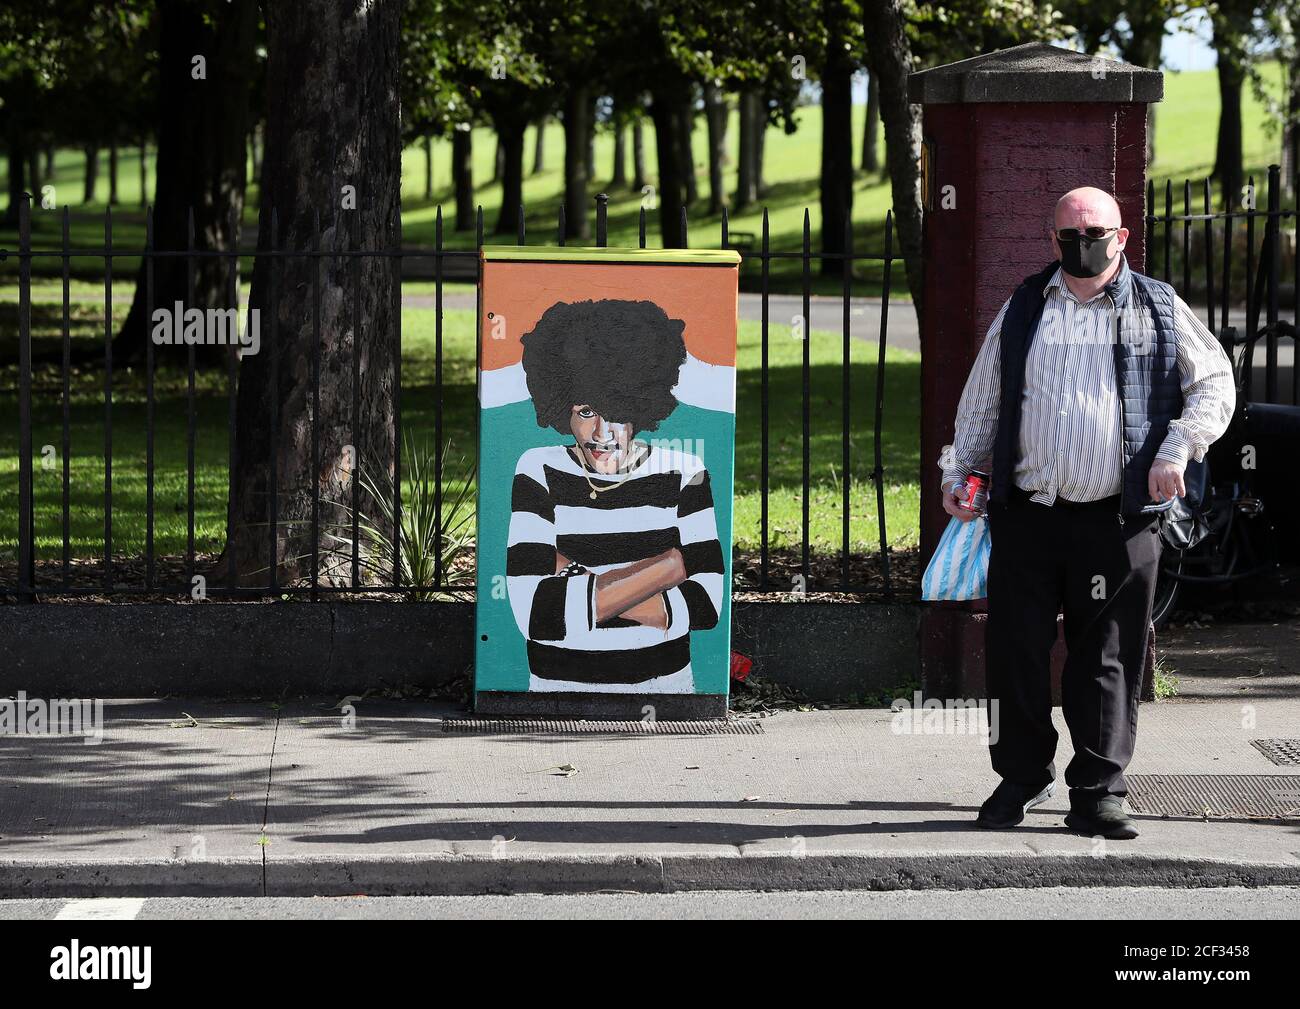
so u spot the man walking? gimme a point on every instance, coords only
(1093, 389)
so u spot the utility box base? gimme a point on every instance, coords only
(601, 707)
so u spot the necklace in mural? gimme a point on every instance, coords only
(640, 451)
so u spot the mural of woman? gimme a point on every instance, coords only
(613, 555)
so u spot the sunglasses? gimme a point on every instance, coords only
(1094, 233)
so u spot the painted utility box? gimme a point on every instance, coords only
(606, 390)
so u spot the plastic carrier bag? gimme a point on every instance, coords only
(959, 569)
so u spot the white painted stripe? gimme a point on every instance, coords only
(638, 518)
(698, 527)
(576, 612)
(711, 582)
(529, 527)
(502, 386)
(660, 460)
(709, 386)
(533, 463)
(680, 682)
(101, 909)
(521, 589)
(606, 639)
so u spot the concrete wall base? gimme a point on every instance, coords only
(829, 651)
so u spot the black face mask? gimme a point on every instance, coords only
(1086, 257)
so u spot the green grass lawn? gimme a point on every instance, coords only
(899, 441)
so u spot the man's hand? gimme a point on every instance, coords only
(952, 504)
(1165, 481)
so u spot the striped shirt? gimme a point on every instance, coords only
(1071, 443)
(663, 503)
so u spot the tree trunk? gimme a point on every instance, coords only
(837, 153)
(889, 61)
(760, 143)
(333, 121)
(462, 175)
(144, 172)
(665, 108)
(591, 144)
(618, 176)
(638, 153)
(577, 129)
(870, 148)
(747, 154)
(20, 125)
(112, 172)
(17, 156)
(200, 165)
(91, 175)
(1228, 154)
(686, 153)
(715, 114)
(1142, 47)
(1290, 160)
(510, 148)
(428, 167)
(539, 147)
(34, 173)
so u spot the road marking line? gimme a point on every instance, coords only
(101, 909)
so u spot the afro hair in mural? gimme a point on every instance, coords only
(621, 358)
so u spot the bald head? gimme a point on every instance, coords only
(1094, 238)
(1085, 207)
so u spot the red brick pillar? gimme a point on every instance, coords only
(1005, 135)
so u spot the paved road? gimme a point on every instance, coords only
(1135, 903)
(827, 314)
(864, 322)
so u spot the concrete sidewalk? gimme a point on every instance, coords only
(293, 802)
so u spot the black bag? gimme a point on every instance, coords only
(1183, 524)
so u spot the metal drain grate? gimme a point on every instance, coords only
(741, 727)
(1271, 796)
(1283, 752)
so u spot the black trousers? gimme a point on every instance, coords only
(1079, 559)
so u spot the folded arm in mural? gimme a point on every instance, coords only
(613, 555)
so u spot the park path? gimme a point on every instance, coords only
(827, 316)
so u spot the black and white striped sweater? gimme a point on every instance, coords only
(664, 502)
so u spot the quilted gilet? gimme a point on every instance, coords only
(1146, 377)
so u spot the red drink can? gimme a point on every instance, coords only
(977, 491)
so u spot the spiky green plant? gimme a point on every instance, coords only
(421, 541)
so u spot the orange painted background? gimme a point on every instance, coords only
(697, 295)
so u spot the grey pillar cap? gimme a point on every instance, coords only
(1035, 72)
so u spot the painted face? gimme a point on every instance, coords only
(603, 445)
